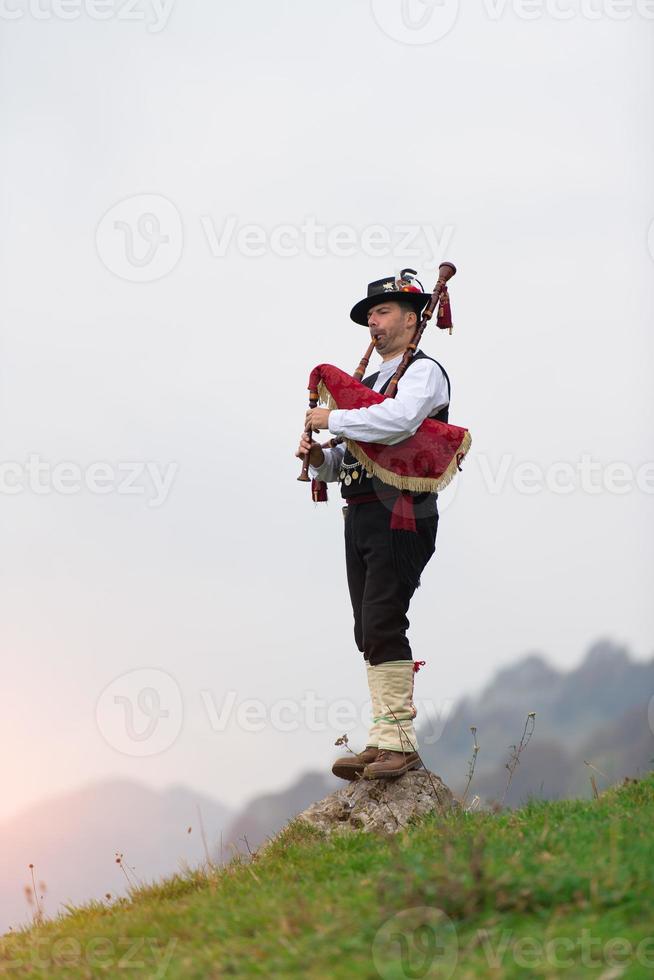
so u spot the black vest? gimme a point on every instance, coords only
(365, 484)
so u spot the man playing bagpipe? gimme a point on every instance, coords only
(393, 451)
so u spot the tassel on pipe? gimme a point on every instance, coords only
(318, 491)
(313, 403)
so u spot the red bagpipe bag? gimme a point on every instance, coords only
(425, 462)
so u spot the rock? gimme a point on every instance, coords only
(380, 805)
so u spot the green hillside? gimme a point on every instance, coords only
(553, 888)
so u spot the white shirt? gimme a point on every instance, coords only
(422, 391)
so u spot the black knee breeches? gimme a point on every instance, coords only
(380, 597)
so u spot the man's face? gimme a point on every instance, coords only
(391, 326)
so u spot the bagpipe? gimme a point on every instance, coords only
(425, 462)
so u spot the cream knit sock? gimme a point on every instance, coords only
(375, 728)
(393, 685)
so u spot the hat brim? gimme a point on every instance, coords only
(359, 312)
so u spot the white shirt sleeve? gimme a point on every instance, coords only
(421, 392)
(331, 466)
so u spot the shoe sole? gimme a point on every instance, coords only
(395, 773)
(348, 772)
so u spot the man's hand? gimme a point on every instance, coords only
(317, 456)
(318, 418)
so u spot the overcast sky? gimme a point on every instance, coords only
(173, 182)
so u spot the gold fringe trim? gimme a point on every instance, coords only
(416, 484)
(324, 397)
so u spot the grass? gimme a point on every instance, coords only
(563, 888)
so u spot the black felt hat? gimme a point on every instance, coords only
(390, 288)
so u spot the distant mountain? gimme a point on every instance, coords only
(72, 841)
(596, 712)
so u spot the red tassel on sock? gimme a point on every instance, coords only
(318, 491)
(403, 518)
(417, 664)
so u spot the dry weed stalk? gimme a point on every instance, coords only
(595, 769)
(204, 838)
(517, 750)
(593, 781)
(343, 740)
(32, 896)
(382, 799)
(123, 867)
(415, 749)
(471, 764)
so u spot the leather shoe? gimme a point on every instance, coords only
(389, 765)
(351, 766)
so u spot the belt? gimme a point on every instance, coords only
(369, 498)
